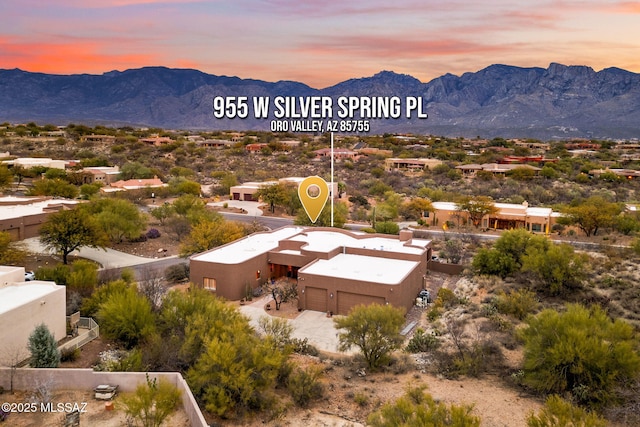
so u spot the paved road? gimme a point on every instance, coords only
(115, 261)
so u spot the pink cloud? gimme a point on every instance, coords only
(78, 57)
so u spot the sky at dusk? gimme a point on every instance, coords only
(319, 43)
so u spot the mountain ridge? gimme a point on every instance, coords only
(560, 101)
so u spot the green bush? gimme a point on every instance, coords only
(517, 303)
(580, 351)
(177, 273)
(422, 342)
(304, 385)
(69, 355)
(560, 413)
(362, 399)
(417, 408)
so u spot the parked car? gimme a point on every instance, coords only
(29, 275)
(435, 258)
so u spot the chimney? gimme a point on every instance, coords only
(406, 235)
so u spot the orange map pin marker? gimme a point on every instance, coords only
(313, 192)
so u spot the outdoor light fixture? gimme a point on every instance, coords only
(303, 290)
(331, 295)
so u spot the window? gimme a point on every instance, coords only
(536, 227)
(210, 283)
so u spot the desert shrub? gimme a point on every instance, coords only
(152, 402)
(401, 364)
(417, 408)
(557, 412)
(304, 385)
(580, 351)
(517, 303)
(69, 355)
(139, 239)
(302, 346)
(277, 328)
(421, 342)
(153, 233)
(177, 273)
(446, 298)
(362, 399)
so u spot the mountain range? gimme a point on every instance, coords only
(559, 102)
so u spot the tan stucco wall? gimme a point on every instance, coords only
(87, 379)
(19, 323)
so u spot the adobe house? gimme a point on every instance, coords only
(508, 216)
(335, 269)
(22, 217)
(25, 305)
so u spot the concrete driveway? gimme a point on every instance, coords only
(315, 326)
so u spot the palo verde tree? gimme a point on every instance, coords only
(210, 233)
(374, 329)
(118, 218)
(152, 402)
(68, 230)
(580, 351)
(340, 213)
(590, 215)
(272, 194)
(43, 348)
(505, 258)
(126, 316)
(555, 268)
(234, 368)
(477, 208)
(11, 253)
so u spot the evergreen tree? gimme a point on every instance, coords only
(44, 348)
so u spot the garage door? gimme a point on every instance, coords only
(315, 299)
(347, 300)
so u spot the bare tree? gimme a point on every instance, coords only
(13, 356)
(456, 330)
(153, 286)
(43, 390)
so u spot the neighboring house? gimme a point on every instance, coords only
(622, 173)
(156, 140)
(246, 191)
(134, 184)
(101, 174)
(509, 216)
(335, 269)
(338, 153)
(216, 143)
(22, 217)
(255, 148)
(102, 139)
(25, 305)
(30, 162)
(497, 169)
(411, 165)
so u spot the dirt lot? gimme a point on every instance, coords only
(92, 412)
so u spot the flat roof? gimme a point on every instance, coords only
(326, 241)
(364, 268)
(248, 247)
(14, 296)
(19, 211)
